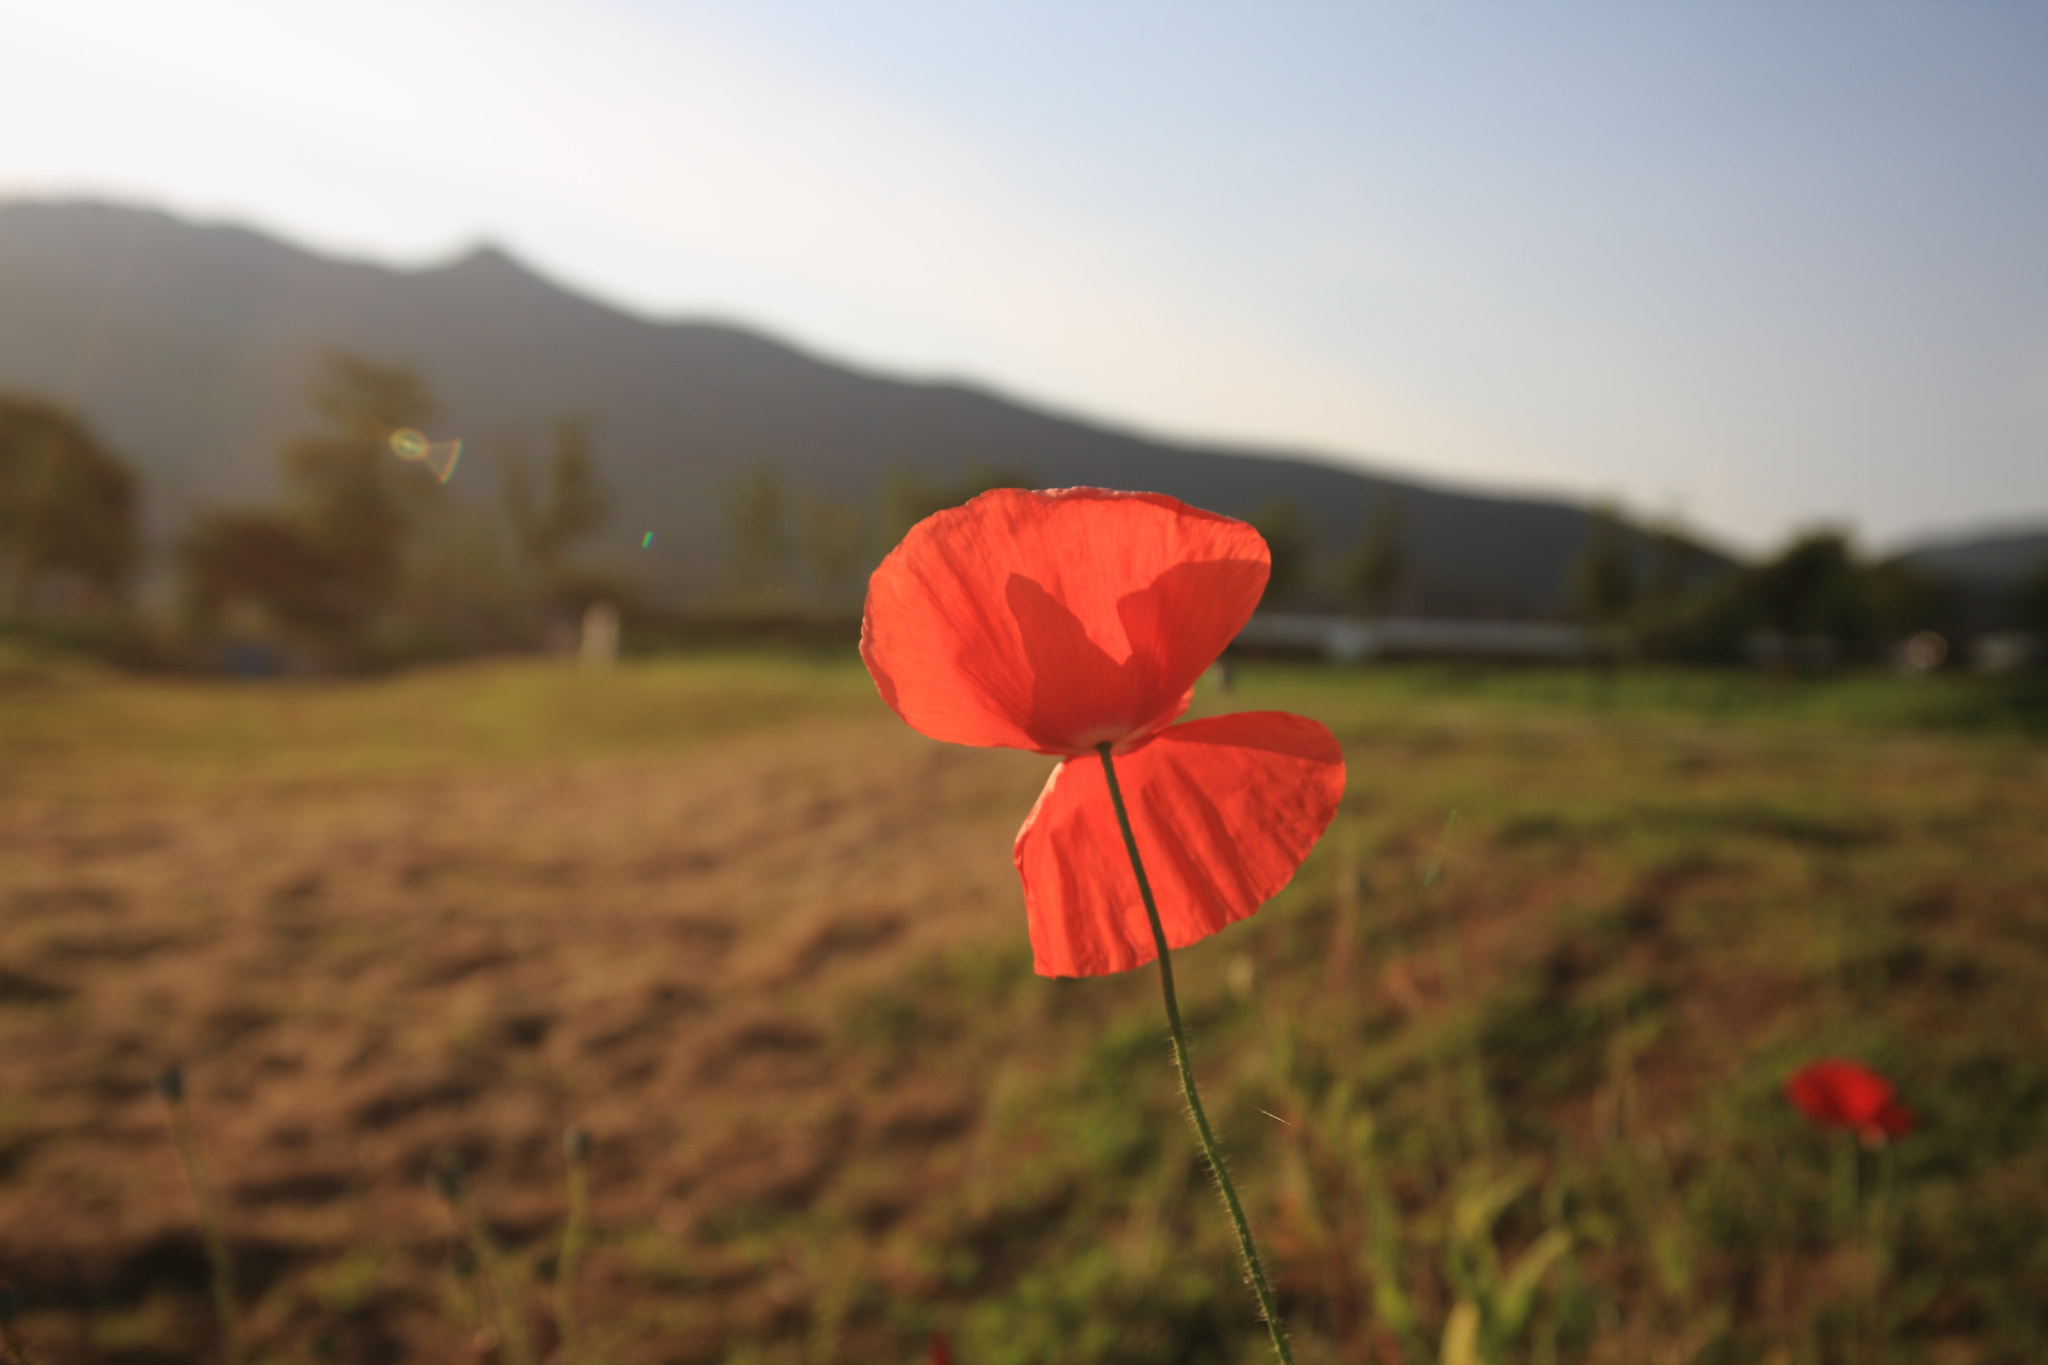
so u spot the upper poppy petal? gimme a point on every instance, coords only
(1052, 621)
(1223, 810)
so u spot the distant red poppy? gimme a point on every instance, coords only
(940, 1355)
(1841, 1094)
(1059, 621)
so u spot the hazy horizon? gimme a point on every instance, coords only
(1757, 268)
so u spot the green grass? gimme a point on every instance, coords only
(1500, 1074)
(481, 715)
(1658, 897)
(1949, 701)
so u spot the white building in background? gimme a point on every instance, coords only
(598, 646)
(2004, 651)
(1348, 639)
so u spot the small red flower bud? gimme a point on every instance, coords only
(1835, 1093)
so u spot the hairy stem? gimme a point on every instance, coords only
(500, 1290)
(576, 1145)
(1187, 1071)
(170, 1087)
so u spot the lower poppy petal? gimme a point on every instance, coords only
(1224, 810)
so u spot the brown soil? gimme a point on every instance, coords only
(364, 978)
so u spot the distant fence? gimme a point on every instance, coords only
(1350, 640)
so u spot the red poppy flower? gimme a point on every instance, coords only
(940, 1354)
(1060, 621)
(1840, 1094)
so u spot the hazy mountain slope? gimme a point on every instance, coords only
(189, 347)
(1990, 560)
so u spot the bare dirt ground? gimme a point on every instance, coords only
(766, 946)
(364, 976)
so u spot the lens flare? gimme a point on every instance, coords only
(647, 541)
(440, 457)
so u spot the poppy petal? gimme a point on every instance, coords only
(1052, 621)
(1895, 1120)
(1224, 810)
(1838, 1093)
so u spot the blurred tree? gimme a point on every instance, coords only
(2030, 601)
(68, 507)
(1290, 540)
(1688, 606)
(464, 590)
(328, 565)
(1901, 598)
(1376, 564)
(572, 503)
(908, 496)
(1677, 563)
(1604, 571)
(353, 500)
(756, 518)
(834, 537)
(1813, 587)
(265, 561)
(1706, 625)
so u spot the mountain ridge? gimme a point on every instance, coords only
(189, 346)
(1996, 559)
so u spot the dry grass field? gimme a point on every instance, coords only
(1501, 1070)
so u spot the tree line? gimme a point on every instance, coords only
(1816, 600)
(1654, 592)
(804, 551)
(365, 557)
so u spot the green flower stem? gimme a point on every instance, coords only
(170, 1088)
(1187, 1071)
(576, 1145)
(500, 1288)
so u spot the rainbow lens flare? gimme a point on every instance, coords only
(439, 457)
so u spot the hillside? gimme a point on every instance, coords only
(1992, 561)
(189, 347)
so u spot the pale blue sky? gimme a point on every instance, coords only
(1754, 264)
